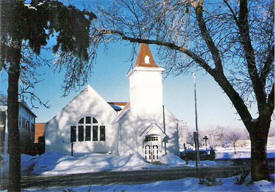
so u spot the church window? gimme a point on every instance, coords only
(81, 120)
(88, 133)
(73, 134)
(147, 59)
(94, 120)
(95, 132)
(88, 120)
(80, 133)
(102, 133)
(151, 138)
(88, 129)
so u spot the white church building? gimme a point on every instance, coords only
(89, 124)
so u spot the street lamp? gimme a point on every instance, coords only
(196, 122)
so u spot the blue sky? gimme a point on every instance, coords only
(109, 79)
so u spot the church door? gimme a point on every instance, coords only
(147, 152)
(155, 152)
(151, 149)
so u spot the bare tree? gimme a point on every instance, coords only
(231, 40)
(216, 136)
(233, 136)
(190, 138)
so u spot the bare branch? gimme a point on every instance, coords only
(188, 52)
(231, 10)
(243, 26)
(207, 38)
(268, 65)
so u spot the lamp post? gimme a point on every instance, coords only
(205, 141)
(196, 123)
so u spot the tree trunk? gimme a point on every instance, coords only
(13, 111)
(259, 162)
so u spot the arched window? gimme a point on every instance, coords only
(82, 131)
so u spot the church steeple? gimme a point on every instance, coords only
(146, 85)
(145, 57)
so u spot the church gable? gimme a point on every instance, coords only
(153, 129)
(87, 102)
(83, 121)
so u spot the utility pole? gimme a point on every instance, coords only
(196, 123)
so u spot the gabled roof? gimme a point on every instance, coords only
(145, 57)
(118, 106)
(87, 102)
(118, 103)
(152, 129)
(4, 104)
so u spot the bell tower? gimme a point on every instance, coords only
(146, 89)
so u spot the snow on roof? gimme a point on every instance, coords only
(122, 112)
(117, 106)
(118, 103)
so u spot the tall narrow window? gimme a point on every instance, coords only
(95, 131)
(23, 123)
(19, 123)
(88, 120)
(88, 133)
(80, 133)
(32, 128)
(102, 133)
(73, 134)
(27, 125)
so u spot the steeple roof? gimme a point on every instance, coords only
(145, 57)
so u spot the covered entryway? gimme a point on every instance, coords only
(151, 148)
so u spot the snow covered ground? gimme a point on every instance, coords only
(59, 164)
(187, 184)
(244, 151)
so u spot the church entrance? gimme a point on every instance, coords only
(151, 148)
